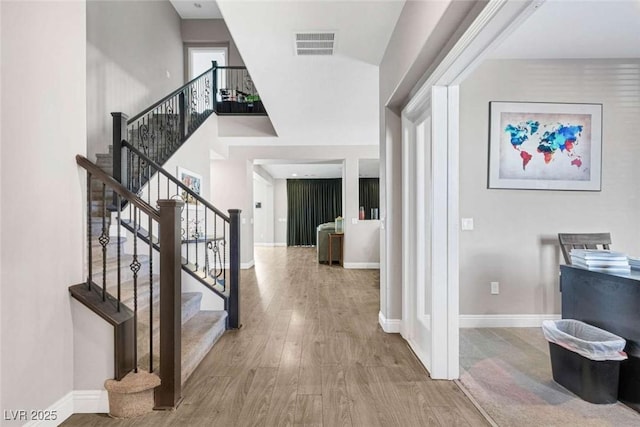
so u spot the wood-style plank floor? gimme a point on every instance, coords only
(310, 353)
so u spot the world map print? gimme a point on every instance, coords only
(547, 146)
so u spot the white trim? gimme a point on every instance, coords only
(390, 326)
(280, 244)
(505, 320)
(496, 20)
(453, 236)
(62, 409)
(265, 245)
(90, 402)
(362, 265)
(247, 265)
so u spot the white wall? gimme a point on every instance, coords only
(43, 128)
(515, 236)
(237, 171)
(263, 217)
(134, 58)
(280, 211)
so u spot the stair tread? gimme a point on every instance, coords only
(199, 335)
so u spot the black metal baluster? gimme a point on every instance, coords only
(89, 233)
(119, 208)
(224, 254)
(150, 225)
(104, 241)
(135, 267)
(206, 239)
(196, 235)
(187, 223)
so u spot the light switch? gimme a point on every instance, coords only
(244, 220)
(467, 224)
(354, 221)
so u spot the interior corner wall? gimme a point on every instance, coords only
(134, 58)
(263, 193)
(43, 46)
(515, 237)
(422, 30)
(280, 211)
(214, 31)
(232, 188)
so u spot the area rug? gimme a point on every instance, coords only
(508, 372)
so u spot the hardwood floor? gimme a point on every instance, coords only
(310, 353)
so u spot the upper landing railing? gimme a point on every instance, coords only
(158, 131)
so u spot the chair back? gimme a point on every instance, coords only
(570, 241)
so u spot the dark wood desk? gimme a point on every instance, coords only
(340, 238)
(610, 302)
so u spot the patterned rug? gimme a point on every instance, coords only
(508, 372)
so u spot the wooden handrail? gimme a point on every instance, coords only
(171, 95)
(106, 179)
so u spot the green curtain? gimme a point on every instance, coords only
(370, 195)
(311, 202)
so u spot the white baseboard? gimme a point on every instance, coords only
(362, 265)
(60, 410)
(247, 265)
(390, 326)
(505, 320)
(280, 244)
(90, 402)
(264, 245)
(74, 402)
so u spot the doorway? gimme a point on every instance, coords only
(199, 59)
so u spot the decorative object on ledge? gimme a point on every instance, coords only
(339, 225)
(545, 146)
(192, 180)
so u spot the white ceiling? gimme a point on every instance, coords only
(302, 169)
(310, 169)
(315, 100)
(189, 9)
(577, 29)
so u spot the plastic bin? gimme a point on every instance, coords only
(585, 359)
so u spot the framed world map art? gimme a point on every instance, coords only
(545, 146)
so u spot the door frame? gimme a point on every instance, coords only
(437, 95)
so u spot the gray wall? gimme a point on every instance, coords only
(515, 236)
(263, 216)
(43, 127)
(134, 58)
(423, 33)
(211, 32)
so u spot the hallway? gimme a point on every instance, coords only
(310, 353)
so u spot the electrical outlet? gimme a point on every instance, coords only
(495, 288)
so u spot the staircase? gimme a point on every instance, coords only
(141, 237)
(200, 328)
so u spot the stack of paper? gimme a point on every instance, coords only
(634, 263)
(601, 260)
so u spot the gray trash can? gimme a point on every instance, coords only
(585, 359)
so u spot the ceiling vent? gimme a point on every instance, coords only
(316, 43)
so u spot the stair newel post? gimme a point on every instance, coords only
(119, 134)
(214, 79)
(169, 393)
(234, 267)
